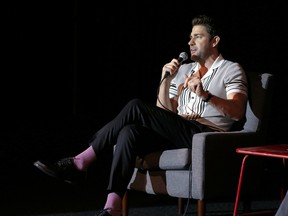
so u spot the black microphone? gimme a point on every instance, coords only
(182, 57)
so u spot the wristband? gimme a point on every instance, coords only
(208, 98)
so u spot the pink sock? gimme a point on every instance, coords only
(85, 158)
(114, 202)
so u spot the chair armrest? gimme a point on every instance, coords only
(215, 163)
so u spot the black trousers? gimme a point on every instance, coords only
(140, 128)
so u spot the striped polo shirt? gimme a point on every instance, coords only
(223, 78)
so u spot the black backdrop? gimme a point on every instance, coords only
(69, 58)
(72, 59)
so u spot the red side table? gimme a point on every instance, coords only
(276, 151)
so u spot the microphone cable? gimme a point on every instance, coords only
(158, 99)
(182, 57)
(189, 190)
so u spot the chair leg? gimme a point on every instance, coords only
(125, 204)
(180, 205)
(201, 206)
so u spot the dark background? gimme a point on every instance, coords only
(68, 67)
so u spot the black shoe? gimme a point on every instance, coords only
(63, 169)
(103, 212)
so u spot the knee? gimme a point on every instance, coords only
(129, 135)
(128, 131)
(136, 102)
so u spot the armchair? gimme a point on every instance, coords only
(209, 170)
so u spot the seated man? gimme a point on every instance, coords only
(208, 94)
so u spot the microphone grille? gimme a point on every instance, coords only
(183, 56)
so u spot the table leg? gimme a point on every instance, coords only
(239, 185)
(284, 185)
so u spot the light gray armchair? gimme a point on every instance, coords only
(209, 170)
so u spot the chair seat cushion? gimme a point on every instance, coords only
(165, 160)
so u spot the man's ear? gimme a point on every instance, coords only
(215, 41)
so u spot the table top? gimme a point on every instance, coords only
(276, 150)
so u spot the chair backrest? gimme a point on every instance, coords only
(260, 87)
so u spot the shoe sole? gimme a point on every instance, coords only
(48, 171)
(44, 169)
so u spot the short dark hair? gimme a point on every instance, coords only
(210, 23)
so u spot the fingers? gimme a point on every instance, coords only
(171, 66)
(192, 82)
(186, 81)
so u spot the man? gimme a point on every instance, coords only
(209, 94)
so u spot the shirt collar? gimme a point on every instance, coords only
(218, 61)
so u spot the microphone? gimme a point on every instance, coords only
(182, 57)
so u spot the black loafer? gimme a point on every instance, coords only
(103, 212)
(63, 169)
